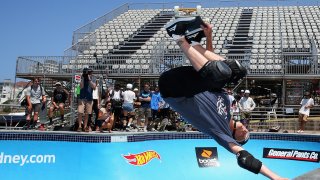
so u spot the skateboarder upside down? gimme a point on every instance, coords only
(196, 92)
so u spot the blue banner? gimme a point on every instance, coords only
(158, 159)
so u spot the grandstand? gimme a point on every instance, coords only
(277, 44)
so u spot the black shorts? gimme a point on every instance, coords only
(185, 81)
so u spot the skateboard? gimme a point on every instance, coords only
(191, 12)
(187, 12)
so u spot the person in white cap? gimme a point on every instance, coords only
(128, 111)
(241, 93)
(58, 100)
(246, 107)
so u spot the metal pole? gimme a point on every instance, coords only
(73, 85)
(15, 81)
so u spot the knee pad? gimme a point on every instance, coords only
(238, 71)
(218, 73)
(248, 162)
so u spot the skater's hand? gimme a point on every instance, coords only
(207, 29)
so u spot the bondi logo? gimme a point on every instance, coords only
(207, 157)
(141, 158)
(206, 153)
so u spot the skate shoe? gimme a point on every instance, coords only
(194, 33)
(179, 26)
(195, 37)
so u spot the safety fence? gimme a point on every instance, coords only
(154, 64)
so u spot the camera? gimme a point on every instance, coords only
(85, 73)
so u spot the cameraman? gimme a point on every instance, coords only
(87, 86)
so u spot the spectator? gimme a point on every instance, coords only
(105, 121)
(145, 108)
(77, 92)
(128, 110)
(306, 104)
(241, 93)
(87, 86)
(231, 100)
(137, 102)
(235, 108)
(246, 107)
(36, 99)
(164, 109)
(96, 104)
(136, 106)
(116, 101)
(164, 114)
(155, 102)
(231, 97)
(60, 95)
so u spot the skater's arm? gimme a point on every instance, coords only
(248, 162)
(194, 54)
(208, 52)
(208, 33)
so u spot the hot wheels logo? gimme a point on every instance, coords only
(141, 158)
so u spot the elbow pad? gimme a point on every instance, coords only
(217, 73)
(248, 162)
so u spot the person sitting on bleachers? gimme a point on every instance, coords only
(60, 95)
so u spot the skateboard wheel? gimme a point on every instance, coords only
(198, 9)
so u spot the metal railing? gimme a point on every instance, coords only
(260, 121)
(285, 117)
(153, 65)
(39, 65)
(81, 32)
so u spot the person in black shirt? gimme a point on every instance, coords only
(58, 100)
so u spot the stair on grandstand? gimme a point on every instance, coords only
(241, 43)
(143, 34)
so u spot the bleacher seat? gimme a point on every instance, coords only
(272, 29)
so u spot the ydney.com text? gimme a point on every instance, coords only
(22, 160)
